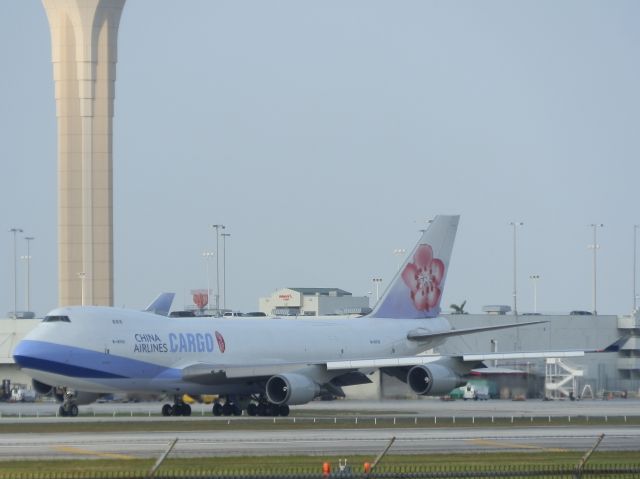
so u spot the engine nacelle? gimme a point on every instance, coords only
(82, 397)
(291, 389)
(41, 388)
(47, 390)
(432, 380)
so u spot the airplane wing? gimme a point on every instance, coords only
(205, 373)
(210, 374)
(426, 359)
(336, 374)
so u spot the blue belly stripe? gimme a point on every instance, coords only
(56, 367)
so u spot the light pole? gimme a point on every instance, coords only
(399, 254)
(207, 256)
(515, 225)
(595, 247)
(15, 231)
(376, 282)
(27, 258)
(534, 279)
(82, 275)
(635, 251)
(218, 228)
(224, 269)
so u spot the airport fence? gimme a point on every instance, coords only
(413, 472)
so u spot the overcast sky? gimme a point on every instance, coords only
(325, 134)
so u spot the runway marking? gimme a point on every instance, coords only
(489, 442)
(87, 452)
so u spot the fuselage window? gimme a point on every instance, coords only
(53, 319)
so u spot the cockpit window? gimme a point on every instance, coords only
(53, 319)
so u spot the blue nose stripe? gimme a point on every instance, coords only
(81, 363)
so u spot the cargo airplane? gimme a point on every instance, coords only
(259, 365)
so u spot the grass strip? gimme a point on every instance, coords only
(309, 464)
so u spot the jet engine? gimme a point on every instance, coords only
(46, 390)
(82, 397)
(291, 389)
(432, 380)
(79, 397)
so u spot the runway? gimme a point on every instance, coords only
(323, 440)
(314, 442)
(420, 408)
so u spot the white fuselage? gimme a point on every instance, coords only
(107, 349)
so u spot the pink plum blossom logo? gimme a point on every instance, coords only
(423, 277)
(221, 343)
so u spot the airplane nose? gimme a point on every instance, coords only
(30, 354)
(23, 352)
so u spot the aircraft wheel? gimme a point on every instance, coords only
(186, 410)
(262, 409)
(167, 410)
(62, 411)
(73, 410)
(177, 409)
(237, 410)
(227, 409)
(217, 409)
(284, 410)
(252, 409)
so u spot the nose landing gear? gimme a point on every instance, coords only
(69, 408)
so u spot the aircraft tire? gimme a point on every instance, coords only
(283, 410)
(262, 409)
(217, 409)
(73, 410)
(167, 409)
(252, 409)
(227, 409)
(186, 410)
(62, 411)
(177, 409)
(237, 410)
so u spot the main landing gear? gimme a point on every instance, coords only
(179, 408)
(256, 406)
(69, 407)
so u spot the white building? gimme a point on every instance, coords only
(313, 302)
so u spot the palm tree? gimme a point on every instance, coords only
(459, 309)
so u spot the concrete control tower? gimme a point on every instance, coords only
(83, 43)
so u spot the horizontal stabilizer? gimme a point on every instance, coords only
(421, 334)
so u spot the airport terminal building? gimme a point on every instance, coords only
(313, 302)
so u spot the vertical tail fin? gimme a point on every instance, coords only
(161, 305)
(416, 289)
